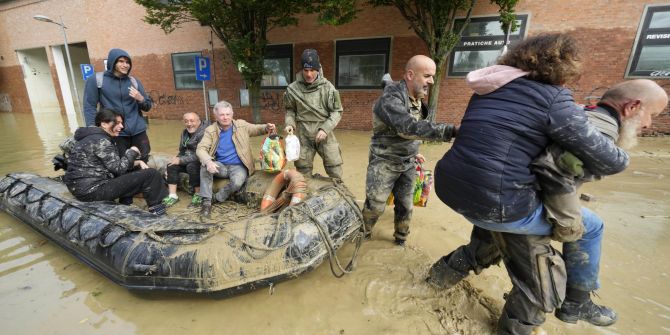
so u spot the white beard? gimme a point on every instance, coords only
(628, 132)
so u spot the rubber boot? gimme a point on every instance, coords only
(519, 316)
(509, 326)
(442, 276)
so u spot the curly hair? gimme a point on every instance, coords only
(550, 58)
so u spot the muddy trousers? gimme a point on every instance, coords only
(149, 182)
(383, 178)
(329, 150)
(192, 169)
(539, 274)
(236, 174)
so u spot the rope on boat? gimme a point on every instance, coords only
(329, 243)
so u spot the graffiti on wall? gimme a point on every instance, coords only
(272, 101)
(161, 98)
(5, 103)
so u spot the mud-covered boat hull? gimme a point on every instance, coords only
(174, 253)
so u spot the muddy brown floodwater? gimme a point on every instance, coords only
(45, 290)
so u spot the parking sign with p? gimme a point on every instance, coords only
(86, 70)
(202, 68)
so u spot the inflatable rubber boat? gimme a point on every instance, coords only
(239, 249)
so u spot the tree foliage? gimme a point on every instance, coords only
(434, 21)
(242, 25)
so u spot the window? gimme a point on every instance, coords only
(651, 53)
(183, 66)
(361, 63)
(278, 65)
(481, 43)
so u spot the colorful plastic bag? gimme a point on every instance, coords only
(292, 148)
(421, 194)
(422, 186)
(272, 154)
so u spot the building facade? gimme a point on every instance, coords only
(621, 39)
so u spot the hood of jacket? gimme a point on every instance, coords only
(84, 132)
(113, 56)
(308, 88)
(489, 79)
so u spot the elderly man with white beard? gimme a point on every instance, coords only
(624, 110)
(523, 244)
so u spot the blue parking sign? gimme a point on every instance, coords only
(202, 68)
(86, 70)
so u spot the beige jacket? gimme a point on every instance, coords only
(242, 130)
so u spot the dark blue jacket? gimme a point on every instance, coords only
(486, 174)
(114, 95)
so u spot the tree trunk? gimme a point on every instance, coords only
(434, 97)
(255, 101)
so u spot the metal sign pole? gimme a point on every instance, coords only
(204, 97)
(69, 63)
(202, 73)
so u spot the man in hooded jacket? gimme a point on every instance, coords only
(313, 106)
(122, 93)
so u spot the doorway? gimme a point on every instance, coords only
(38, 79)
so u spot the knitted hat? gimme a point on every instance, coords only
(310, 59)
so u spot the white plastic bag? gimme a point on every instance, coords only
(292, 148)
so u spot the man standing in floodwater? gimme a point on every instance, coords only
(399, 123)
(313, 106)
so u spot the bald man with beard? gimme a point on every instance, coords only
(521, 106)
(622, 113)
(399, 123)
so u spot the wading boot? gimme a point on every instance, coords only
(442, 276)
(587, 311)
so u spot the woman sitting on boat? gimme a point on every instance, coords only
(96, 172)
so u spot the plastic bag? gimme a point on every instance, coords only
(272, 154)
(292, 148)
(422, 186)
(421, 194)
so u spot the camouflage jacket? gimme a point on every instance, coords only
(317, 102)
(188, 144)
(94, 160)
(396, 132)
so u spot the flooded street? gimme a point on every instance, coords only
(45, 290)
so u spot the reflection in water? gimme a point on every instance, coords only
(44, 290)
(50, 126)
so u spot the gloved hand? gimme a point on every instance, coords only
(570, 163)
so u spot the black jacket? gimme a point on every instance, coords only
(94, 160)
(188, 143)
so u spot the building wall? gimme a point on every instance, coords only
(605, 29)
